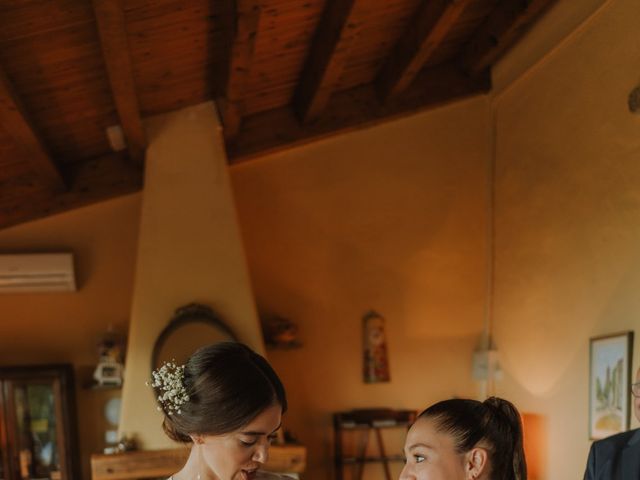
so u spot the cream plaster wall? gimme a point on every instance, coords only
(390, 218)
(560, 24)
(189, 250)
(568, 224)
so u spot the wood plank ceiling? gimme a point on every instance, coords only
(280, 71)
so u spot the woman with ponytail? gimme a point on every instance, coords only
(462, 439)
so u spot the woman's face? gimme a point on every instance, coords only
(431, 455)
(237, 455)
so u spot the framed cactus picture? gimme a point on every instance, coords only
(610, 358)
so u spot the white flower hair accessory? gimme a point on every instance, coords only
(168, 380)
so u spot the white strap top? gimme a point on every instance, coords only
(264, 475)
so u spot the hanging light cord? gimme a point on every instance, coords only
(490, 231)
(487, 387)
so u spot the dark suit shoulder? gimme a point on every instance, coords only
(615, 441)
(606, 456)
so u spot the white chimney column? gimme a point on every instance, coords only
(189, 250)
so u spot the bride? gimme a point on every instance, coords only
(227, 402)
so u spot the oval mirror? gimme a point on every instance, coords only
(192, 326)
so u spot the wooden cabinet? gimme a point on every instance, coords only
(37, 423)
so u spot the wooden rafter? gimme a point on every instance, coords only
(352, 109)
(14, 120)
(426, 33)
(90, 181)
(504, 26)
(241, 43)
(329, 51)
(115, 50)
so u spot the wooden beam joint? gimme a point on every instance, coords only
(352, 109)
(115, 50)
(428, 30)
(504, 26)
(241, 43)
(337, 30)
(14, 120)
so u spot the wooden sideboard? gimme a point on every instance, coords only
(163, 463)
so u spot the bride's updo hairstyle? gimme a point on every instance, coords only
(494, 423)
(226, 385)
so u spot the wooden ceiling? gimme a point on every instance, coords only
(281, 72)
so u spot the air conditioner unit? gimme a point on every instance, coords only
(52, 272)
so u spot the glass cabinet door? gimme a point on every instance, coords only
(37, 430)
(37, 423)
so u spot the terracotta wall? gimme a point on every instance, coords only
(389, 218)
(568, 224)
(65, 327)
(392, 218)
(332, 230)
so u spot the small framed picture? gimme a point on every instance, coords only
(376, 360)
(610, 359)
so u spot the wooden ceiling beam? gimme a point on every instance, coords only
(115, 51)
(329, 51)
(91, 181)
(14, 120)
(426, 33)
(241, 43)
(352, 109)
(504, 26)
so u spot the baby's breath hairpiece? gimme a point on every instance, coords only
(168, 380)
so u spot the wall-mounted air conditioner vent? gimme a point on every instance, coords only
(51, 272)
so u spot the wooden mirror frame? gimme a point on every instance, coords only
(189, 314)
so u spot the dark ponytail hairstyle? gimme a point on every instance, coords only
(228, 386)
(495, 422)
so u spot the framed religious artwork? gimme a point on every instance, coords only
(375, 358)
(610, 358)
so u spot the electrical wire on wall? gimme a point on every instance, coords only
(485, 356)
